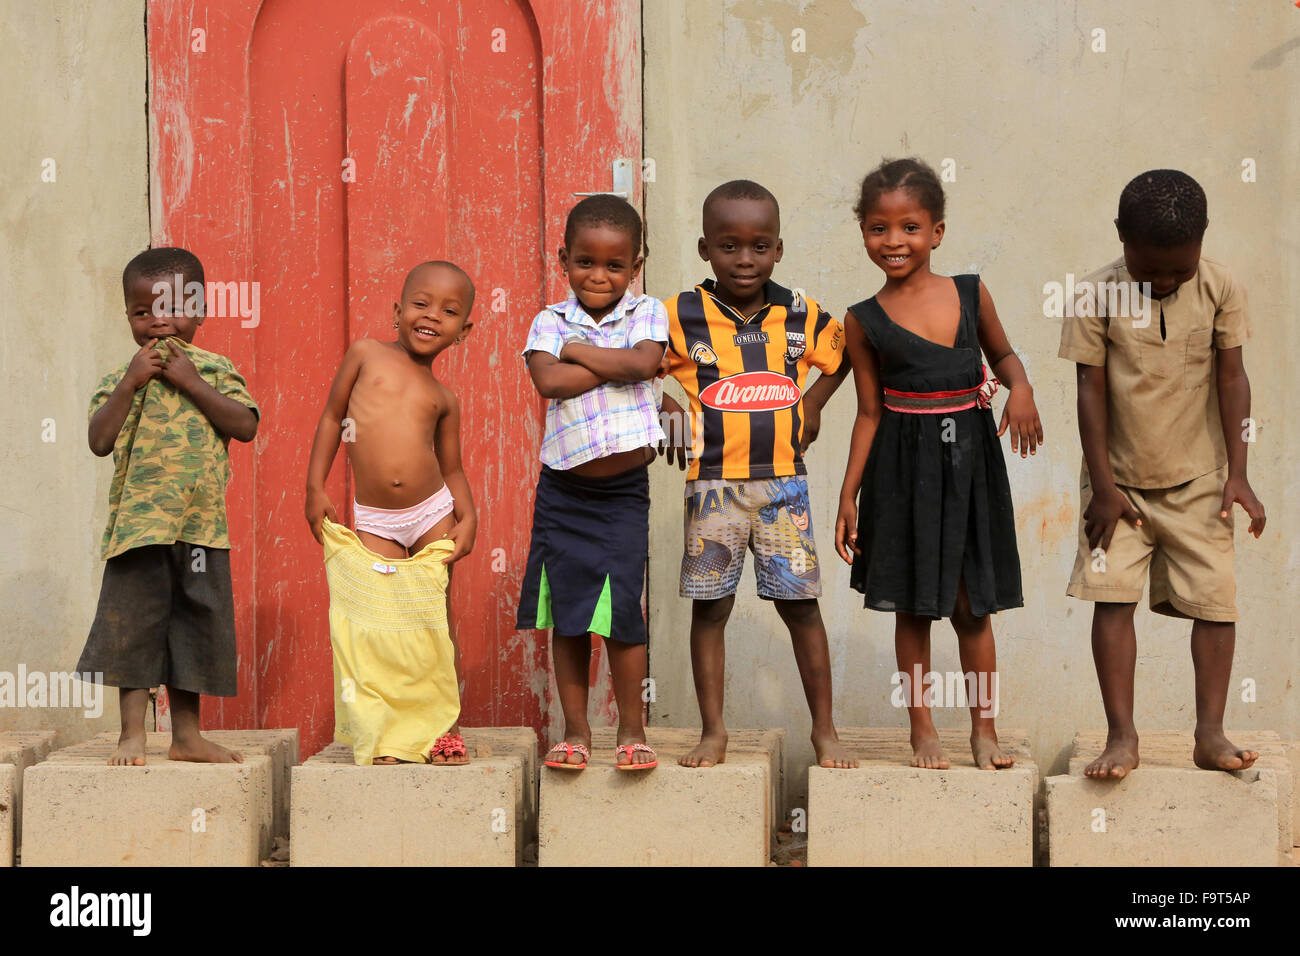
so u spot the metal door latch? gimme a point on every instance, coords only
(624, 180)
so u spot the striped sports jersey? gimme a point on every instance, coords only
(745, 378)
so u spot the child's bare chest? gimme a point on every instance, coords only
(387, 391)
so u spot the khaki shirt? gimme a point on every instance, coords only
(1163, 426)
(169, 464)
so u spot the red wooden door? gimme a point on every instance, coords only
(320, 148)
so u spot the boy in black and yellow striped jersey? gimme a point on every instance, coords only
(742, 346)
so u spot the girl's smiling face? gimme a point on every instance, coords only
(900, 234)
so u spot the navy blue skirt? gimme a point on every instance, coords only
(587, 559)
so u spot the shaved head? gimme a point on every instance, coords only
(451, 267)
(740, 189)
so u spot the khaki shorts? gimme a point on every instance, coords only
(1187, 546)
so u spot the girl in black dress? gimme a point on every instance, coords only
(932, 533)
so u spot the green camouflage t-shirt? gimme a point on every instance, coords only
(170, 464)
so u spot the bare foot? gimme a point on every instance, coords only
(202, 750)
(988, 754)
(927, 754)
(710, 751)
(1214, 751)
(129, 752)
(1119, 757)
(387, 761)
(831, 753)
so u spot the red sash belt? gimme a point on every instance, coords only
(936, 403)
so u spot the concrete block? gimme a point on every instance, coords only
(669, 816)
(22, 748)
(1168, 812)
(770, 742)
(1292, 750)
(889, 813)
(518, 742)
(484, 742)
(409, 814)
(81, 812)
(8, 810)
(1172, 749)
(281, 746)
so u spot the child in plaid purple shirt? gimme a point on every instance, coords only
(595, 357)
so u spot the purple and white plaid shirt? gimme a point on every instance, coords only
(609, 418)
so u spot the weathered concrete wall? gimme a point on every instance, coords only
(73, 91)
(1044, 133)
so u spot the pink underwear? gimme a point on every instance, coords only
(404, 525)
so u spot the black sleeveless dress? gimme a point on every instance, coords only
(935, 504)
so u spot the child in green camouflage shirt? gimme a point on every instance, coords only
(166, 608)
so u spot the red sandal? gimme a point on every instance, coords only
(449, 746)
(630, 749)
(568, 750)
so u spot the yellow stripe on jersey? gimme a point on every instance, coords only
(732, 370)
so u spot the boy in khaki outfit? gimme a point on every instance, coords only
(1163, 404)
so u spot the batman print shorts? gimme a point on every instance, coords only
(769, 516)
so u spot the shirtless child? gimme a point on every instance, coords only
(402, 427)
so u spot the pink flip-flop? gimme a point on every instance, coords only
(630, 749)
(568, 750)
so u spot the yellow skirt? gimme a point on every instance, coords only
(395, 687)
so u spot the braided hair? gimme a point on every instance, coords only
(910, 174)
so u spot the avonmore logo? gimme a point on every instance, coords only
(751, 392)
